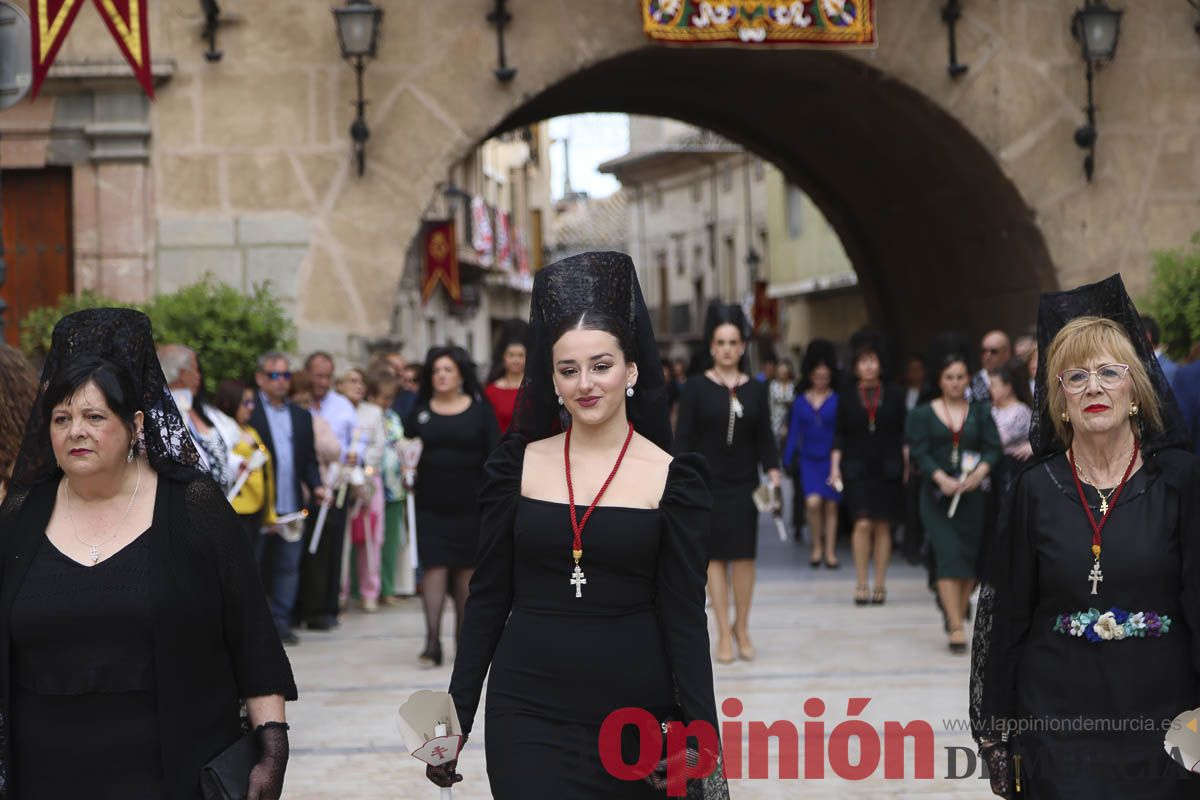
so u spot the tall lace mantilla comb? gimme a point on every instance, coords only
(605, 282)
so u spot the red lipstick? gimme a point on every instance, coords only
(80, 451)
(1096, 408)
(588, 402)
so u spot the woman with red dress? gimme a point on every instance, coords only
(508, 372)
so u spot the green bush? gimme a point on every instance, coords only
(227, 329)
(1175, 297)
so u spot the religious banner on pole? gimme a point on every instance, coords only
(440, 260)
(126, 21)
(803, 23)
(481, 227)
(50, 20)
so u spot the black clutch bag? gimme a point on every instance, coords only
(227, 777)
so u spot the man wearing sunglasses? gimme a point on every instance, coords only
(287, 431)
(994, 351)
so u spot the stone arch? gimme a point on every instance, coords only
(939, 235)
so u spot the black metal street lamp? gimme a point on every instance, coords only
(212, 20)
(500, 17)
(753, 259)
(951, 12)
(358, 33)
(1196, 5)
(1097, 28)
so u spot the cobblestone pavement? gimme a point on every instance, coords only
(812, 642)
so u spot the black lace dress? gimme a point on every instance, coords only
(560, 664)
(1092, 706)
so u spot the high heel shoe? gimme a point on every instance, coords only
(724, 659)
(861, 596)
(814, 562)
(957, 648)
(746, 651)
(432, 657)
(879, 596)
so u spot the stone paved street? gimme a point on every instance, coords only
(811, 640)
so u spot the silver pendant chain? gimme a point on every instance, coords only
(95, 548)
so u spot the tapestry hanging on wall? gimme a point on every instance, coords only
(805, 23)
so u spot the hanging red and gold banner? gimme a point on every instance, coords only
(440, 257)
(50, 20)
(126, 20)
(805, 23)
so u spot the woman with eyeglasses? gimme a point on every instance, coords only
(1090, 610)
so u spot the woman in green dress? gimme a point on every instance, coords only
(956, 445)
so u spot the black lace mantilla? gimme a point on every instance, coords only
(124, 337)
(601, 281)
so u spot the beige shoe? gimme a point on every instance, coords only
(370, 605)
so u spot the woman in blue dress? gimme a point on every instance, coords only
(809, 442)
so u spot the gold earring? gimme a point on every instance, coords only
(1065, 417)
(1133, 408)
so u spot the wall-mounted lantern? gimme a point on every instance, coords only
(1097, 28)
(500, 17)
(358, 33)
(951, 12)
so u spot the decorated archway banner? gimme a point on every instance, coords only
(811, 23)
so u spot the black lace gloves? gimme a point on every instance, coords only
(266, 779)
(1000, 767)
(445, 775)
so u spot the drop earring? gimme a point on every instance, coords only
(559, 396)
(1065, 417)
(629, 390)
(1133, 409)
(129, 457)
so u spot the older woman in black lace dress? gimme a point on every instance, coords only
(132, 620)
(1087, 641)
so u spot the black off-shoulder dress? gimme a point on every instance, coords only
(560, 664)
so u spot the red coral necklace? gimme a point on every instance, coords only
(577, 578)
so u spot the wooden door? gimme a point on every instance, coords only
(35, 205)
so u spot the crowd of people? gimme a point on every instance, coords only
(274, 504)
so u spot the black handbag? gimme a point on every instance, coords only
(227, 777)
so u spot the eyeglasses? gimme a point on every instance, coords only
(276, 375)
(1111, 376)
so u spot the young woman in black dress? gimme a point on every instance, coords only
(870, 462)
(725, 416)
(458, 432)
(588, 595)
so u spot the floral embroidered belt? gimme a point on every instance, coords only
(1112, 625)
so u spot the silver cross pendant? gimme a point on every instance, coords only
(578, 581)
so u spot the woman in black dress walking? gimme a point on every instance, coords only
(725, 416)
(869, 461)
(133, 625)
(1089, 611)
(588, 596)
(458, 432)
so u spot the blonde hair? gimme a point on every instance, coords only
(1080, 341)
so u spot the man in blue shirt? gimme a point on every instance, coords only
(1154, 334)
(287, 432)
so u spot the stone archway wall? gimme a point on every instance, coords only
(260, 141)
